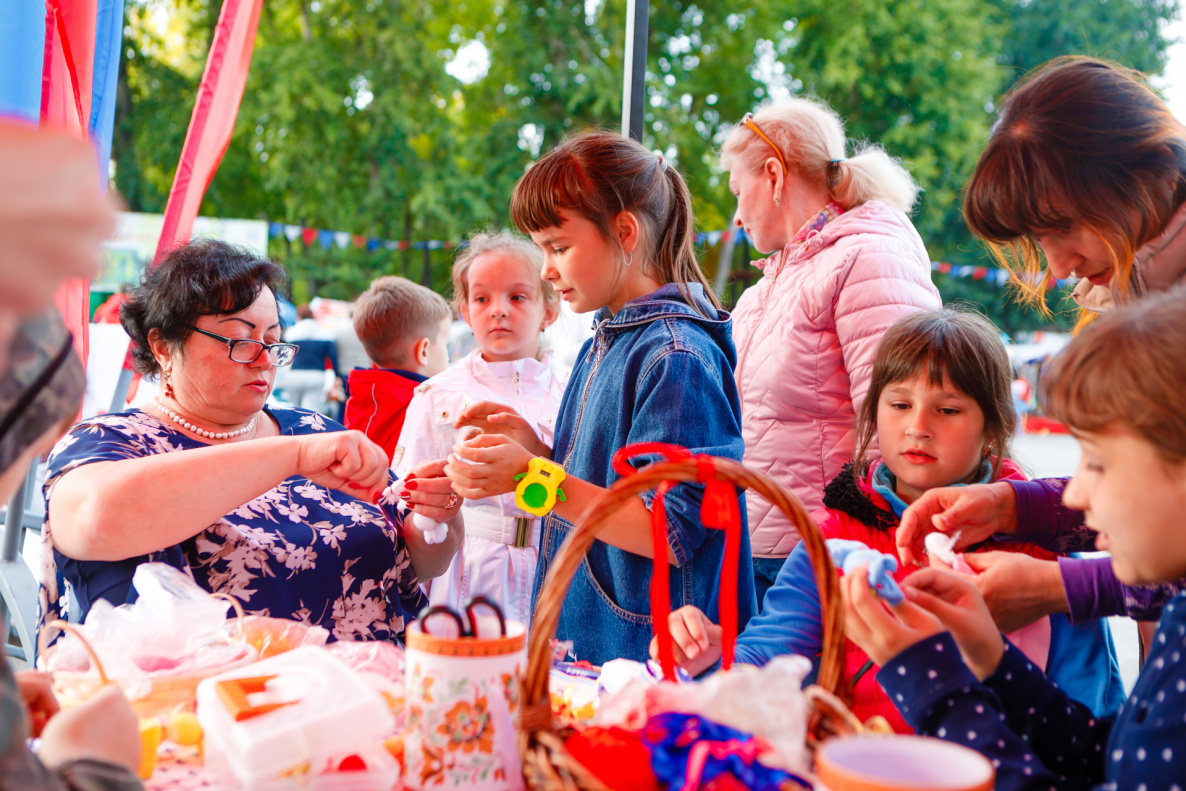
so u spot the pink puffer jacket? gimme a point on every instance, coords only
(806, 335)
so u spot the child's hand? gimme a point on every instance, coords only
(428, 491)
(103, 728)
(696, 640)
(38, 696)
(882, 633)
(495, 460)
(955, 600)
(494, 418)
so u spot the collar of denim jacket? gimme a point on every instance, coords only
(667, 301)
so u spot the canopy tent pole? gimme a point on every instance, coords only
(634, 71)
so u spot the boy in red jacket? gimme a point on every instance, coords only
(404, 328)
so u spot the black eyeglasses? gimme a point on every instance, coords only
(245, 350)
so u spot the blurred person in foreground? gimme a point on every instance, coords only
(52, 217)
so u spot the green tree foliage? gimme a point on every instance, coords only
(351, 122)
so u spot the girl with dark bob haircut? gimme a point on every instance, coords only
(271, 506)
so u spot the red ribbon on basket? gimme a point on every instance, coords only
(719, 510)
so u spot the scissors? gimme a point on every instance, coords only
(441, 620)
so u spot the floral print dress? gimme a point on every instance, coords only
(299, 551)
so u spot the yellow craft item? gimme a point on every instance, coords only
(183, 728)
(539, 487)
(150, 740)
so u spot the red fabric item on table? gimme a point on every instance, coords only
(616, 756)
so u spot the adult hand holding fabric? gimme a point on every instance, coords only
(978, 512)
(1018, 589)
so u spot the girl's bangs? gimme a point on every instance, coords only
(551, 184)
(1016, 195)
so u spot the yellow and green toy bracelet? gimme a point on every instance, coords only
(539, 487)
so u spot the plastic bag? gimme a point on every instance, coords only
(174, 629)
(767, 702)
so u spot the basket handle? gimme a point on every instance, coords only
(535, 712)
(74, 630)
(718, 510)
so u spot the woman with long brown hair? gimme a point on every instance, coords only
(1086, 170)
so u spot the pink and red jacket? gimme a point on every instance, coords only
(806, 335)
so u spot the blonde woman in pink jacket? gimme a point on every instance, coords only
(845, 263)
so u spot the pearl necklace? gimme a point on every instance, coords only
(179, 420)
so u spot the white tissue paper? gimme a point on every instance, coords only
(942, 546)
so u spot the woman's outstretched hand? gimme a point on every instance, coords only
(1017, 588)
(978, 512)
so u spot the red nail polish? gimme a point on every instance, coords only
(411, 485)
(405, 496)
(409, 476)
(354, 485)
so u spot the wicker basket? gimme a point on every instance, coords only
(547, 764)
(168, 693)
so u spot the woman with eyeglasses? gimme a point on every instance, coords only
(845, 263)
(271, 506)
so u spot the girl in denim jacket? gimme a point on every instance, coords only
(615, 225)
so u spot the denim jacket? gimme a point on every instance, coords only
(657, 371)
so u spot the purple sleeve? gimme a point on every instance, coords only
(1092, 589)
(1043, 520)
(1094, 592)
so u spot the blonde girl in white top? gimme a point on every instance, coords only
(498, 290)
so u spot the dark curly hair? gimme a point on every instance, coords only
(203, 278)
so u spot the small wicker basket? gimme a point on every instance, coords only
(168, 693)
(547, 764)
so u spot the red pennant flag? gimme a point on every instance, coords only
(358, 240)
(309, 236)
(66, 104)
(213, 120)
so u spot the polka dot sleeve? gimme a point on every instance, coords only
(1062, 732)
(938, 696)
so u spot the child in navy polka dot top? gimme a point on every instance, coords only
(1121, 388)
